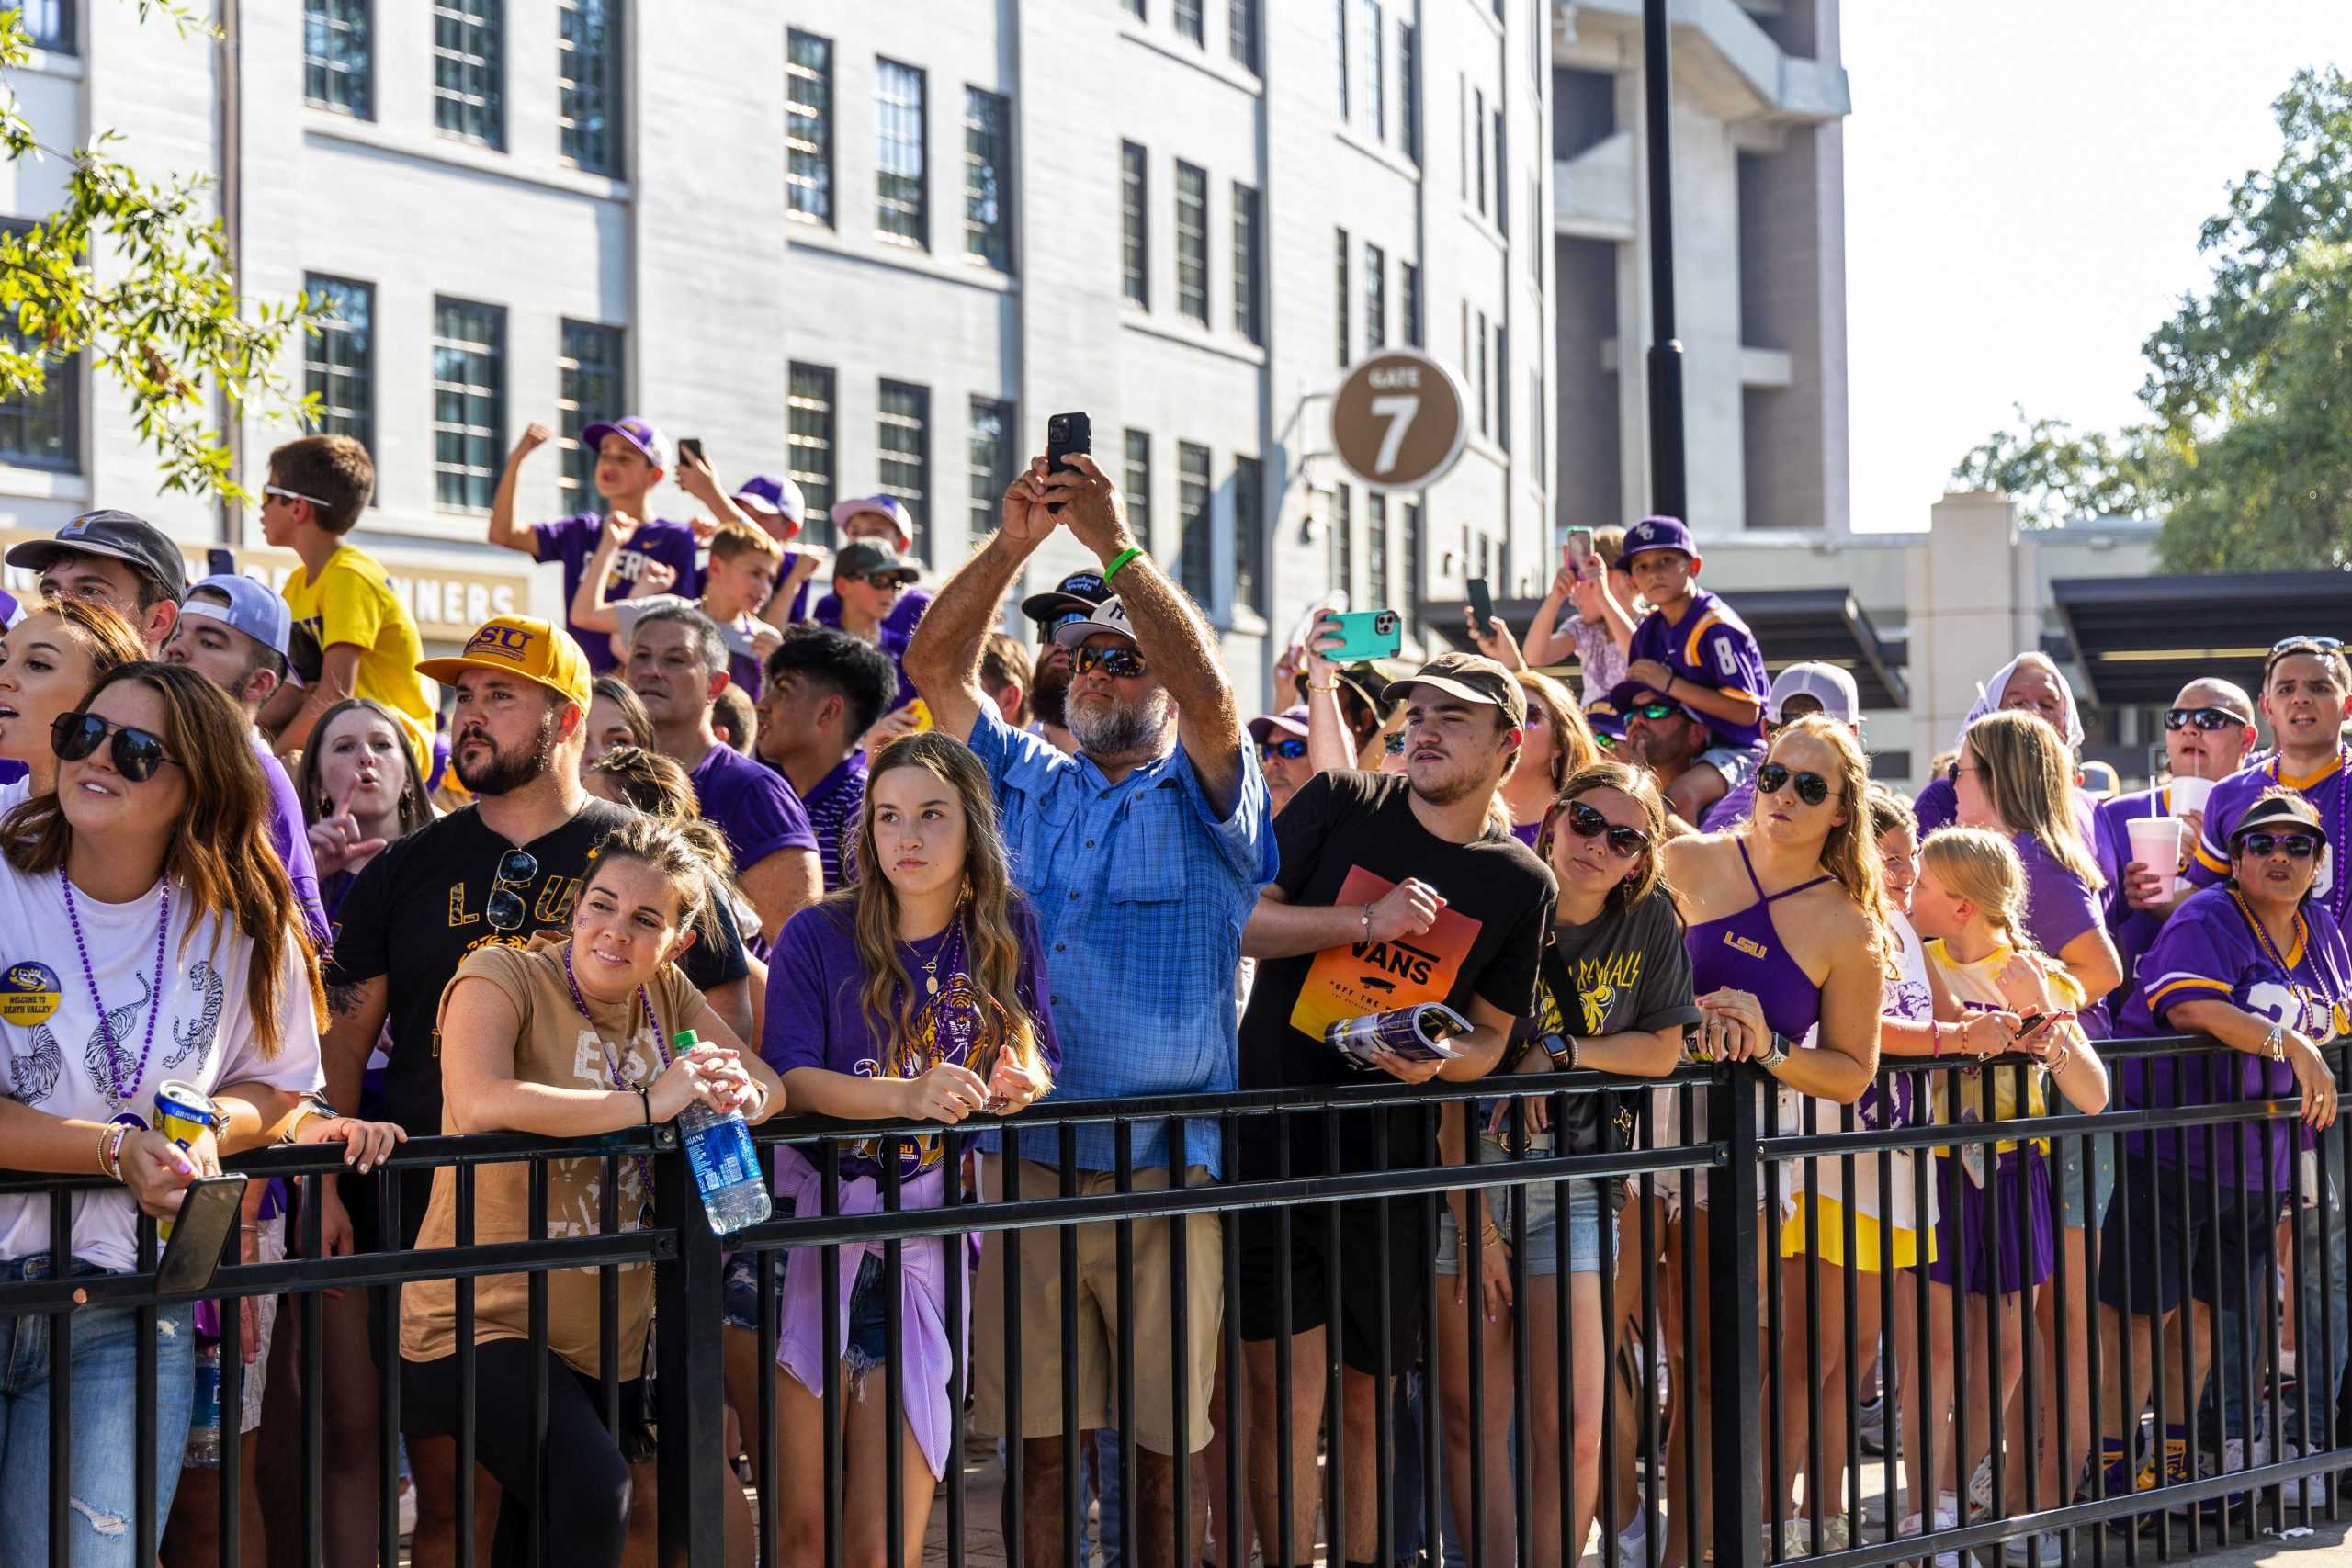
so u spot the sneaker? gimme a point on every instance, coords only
(1980, 1490)
(1870, 1426)
(407, 1507)
(1947, 1518)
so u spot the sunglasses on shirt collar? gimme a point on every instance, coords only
(1773, 777)
(507, 908)
(2204, 718)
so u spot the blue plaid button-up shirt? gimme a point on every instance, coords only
(1141, 890)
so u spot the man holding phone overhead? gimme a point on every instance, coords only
(1142, 854)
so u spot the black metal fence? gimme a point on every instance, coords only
(1738, 1334)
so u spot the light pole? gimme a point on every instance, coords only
(1667, 491)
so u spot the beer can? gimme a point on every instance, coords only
(183, 1113)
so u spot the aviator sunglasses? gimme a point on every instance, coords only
(1812, 788)
(1587, 822)
(1120, 663)
(137, 753)
(506, 907)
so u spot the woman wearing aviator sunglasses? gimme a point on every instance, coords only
(1613, 994)
(147, 932)
(1787, 932)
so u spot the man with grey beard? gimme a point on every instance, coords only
(1142, 855)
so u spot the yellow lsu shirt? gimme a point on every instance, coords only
(349, 601)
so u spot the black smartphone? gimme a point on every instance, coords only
(1066, 433)
(1482, 603)
(208, 1217)
(691, 446)
(218, 562)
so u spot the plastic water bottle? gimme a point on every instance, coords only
(204, 1418)
(726, 1166)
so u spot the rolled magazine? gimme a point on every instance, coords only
(1416, 1034)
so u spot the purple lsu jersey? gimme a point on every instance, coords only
(1710, 647)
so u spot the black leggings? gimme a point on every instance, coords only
(582, 1459)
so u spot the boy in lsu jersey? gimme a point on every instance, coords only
(1694, 650)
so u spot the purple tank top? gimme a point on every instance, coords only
(1743, 952)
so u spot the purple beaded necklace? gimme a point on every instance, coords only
(612, 1062)
(122, 1091)
(2339, 895)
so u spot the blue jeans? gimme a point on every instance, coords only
(105, 1365)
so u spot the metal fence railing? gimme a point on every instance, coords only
(1738, 1336)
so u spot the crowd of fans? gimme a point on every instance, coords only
(889, 863)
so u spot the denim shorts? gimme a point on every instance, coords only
(741, 1287)
(1586, 1216)
(2067, 1158)
(870, 1317)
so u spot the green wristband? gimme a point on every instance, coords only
(1122, 558)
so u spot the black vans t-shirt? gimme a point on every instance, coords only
(1349, 837)
(417, 911)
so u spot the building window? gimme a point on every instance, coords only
(1478, 146)
(47, 24)
(1376, 298)
(467, 70)
(468, 403)
(1409, 557)
(1135, 485)
(1250, 533)
(588, 84)
(902, 440)
(1502, 386)
(594, 384)
(1375, 552)
(1246, 259)
(1343, 540)
(1375, 72)
(1134, 225)
(1535, 426)
(993, 427)
(901, 213)
(987, 180)
(43, 429)
(1134, 8)
(810, 415)
(1340, 293)
(1409, 302)
(339, 364)
(1408, 89)
(1486, 423)
(335, 53)
(1339, 50)
(1189, 21)
(1193, 520)
(1245, 34)
(1502, 178)
(809, 127)
(1192, 243)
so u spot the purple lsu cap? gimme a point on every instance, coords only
(1290, 721)
(638, 432)
(881, 506)
(777, 496)
(253, 608)
(1658, 534)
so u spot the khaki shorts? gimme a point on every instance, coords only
(1152, 1424)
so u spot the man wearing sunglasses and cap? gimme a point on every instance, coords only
(1067, 602)
(1393, 892)
(1143, 855)
(1664, 735)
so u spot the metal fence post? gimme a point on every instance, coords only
(689, 1364)
(1733, 1295)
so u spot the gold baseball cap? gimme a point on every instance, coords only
(521, 645)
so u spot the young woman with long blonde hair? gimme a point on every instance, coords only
(916, 993)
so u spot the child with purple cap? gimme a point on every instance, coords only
(632, 458)
(1694, 650)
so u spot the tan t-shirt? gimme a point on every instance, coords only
(556, 1046)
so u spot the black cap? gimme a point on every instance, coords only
(871, 558)
(116, 536)
(1079, 591)
(1472, 678)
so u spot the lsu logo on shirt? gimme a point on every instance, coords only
(1747, 946)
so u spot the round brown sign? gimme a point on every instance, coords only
(1399, 420)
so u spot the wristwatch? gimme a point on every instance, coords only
(1779, 1053)
(309, 1105)
(1562, 1050)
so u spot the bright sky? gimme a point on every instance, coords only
(2024, 184)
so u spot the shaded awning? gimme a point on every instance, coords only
(1793, 626)
(2139, 639)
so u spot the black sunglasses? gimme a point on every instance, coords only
(2294, 846)
(2203, 718)
(1289, 746)
(1587, 822)
(506, 908)
(1654, 710)
(885, 579)
(1812, 788)
(137, 753)
(1120, 663)
(1052, 624)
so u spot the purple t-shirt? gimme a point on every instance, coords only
(1709, 647)
(292, 836)
(2209, 863)
(751, 804)
(1938, 805)
(1736, 807)
(572, 540)
(834, 809)
(815, 1011)
(2132, 930)
(2210, 949)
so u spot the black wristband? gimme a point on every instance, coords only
(644, 1103)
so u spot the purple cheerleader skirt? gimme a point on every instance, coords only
(1968, 1254)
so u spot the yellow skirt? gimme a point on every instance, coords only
(1869, 1248)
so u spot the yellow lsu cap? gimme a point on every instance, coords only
(521, 645)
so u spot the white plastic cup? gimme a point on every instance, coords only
(2190, 795)
(2158, 844)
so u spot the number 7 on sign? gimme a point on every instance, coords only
(1399, 408)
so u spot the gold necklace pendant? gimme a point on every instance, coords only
(930, 984)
